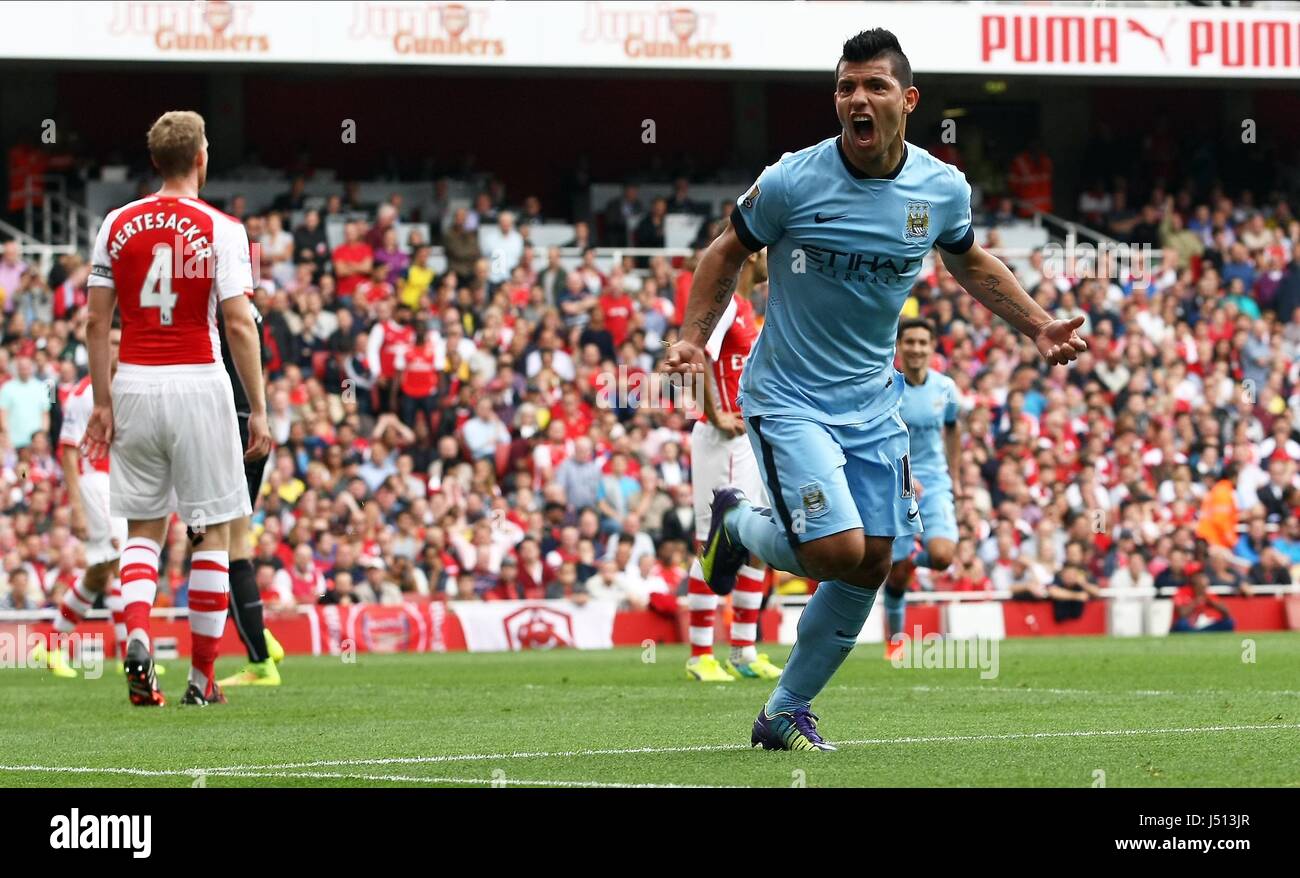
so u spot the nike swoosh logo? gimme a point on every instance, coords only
(911, 514)
(818, 218)
(839, 633)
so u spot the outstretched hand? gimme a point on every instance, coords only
(1059, 342)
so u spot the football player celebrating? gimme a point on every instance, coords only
(848, 223)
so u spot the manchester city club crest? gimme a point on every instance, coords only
(814, 500)
(918, 221)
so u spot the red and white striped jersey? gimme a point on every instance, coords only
(170, 261)
(728, 349)
(76, 415)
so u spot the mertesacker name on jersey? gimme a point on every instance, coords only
(188, 235)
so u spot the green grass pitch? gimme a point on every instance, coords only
(1150, 712)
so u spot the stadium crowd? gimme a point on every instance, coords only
(457, 434)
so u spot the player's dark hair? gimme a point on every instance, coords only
(868, 45)
(917, 323)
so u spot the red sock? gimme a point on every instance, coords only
(209, 592)
(703, 604)
(116, 611)
(139, 572)
(745, 602)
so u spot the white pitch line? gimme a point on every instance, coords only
(283, 769)
(715, 748)
(1031, 690)
(467, 781)
(314, 775)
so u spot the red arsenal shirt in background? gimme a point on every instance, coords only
(170, 261)
(728, 349)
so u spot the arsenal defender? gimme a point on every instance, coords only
(167, 263)
(721, 454)
(103, 534)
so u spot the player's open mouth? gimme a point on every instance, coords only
(864, 130)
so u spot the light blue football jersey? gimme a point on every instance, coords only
(843, 253)
(926, 409)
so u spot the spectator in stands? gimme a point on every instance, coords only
(483, 214)
(621, 216)
(460, 242)
(418, 382)
(20, 595)
(1281, 446)
(531, 215)
(1022, 581)
(652, 228)
(552, 278)
(503, 246)
(1173, 236)
(485, 434)
(1272, 568)
(385, 220)
(1133, 574)
(353, 261)
(293, 200)
(1070, 591)
(302, 582)
(1224, 571)
(417, 280)
(12, 269)
(609, 584)
(24, 405)
(311, 245)
(576, 301)
(579, 477)
(390, 256)
(1273, 494)
(1176, 575)
(1196, 609)
(1288, 543)
(681, 202)
(278, 245)
(345, 592)
(581, 239)
(567, 585)
(1094, 204)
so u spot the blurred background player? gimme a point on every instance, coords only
(722, 455)
(847, 224)
(929, 409)
(264, 651)
(103, 534)
(167, 262)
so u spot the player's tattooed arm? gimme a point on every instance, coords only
(992, 284)
(712, 286)
(721, 296)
